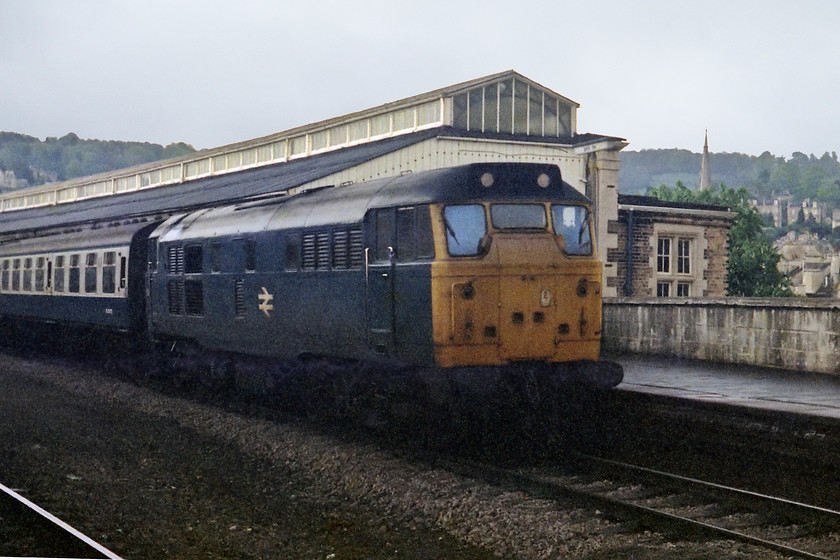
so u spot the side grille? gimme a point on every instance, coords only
(357, 249)
(186, 297)
(239, 298)
(193, 297)
(340, 249)
(175, 289)
(175, 260)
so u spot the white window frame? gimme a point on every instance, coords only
(681, 283)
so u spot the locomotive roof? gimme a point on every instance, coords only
(348, 204)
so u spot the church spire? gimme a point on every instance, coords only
(705, 168)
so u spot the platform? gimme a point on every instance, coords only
(797, 392)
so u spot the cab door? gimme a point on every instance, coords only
(380, 269)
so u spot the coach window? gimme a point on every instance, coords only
(6, 276)
(109, 272)
(16, 275)
(90, 273)
(40, 273)
(27, 274)
(465, 228)
(74, 279)
(58, 275)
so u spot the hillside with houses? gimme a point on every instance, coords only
(798, 197)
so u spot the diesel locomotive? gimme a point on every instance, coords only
(472, 271)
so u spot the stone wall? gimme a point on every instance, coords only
(788, 333)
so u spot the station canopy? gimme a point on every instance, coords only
(504, 103)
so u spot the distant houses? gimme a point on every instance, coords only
(812, 263)
(784, 212)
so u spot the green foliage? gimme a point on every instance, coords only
(753, 262)
(60, 159)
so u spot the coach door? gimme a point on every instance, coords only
(380, 269)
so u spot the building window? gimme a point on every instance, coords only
(512, 106)
(674, 267)
(663, 256)
(683, 256)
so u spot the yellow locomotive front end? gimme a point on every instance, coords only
(519, 282)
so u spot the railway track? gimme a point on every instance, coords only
(27, 530)
(650, 499)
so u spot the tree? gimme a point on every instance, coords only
(753, 262)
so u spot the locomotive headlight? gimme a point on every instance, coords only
(543, 180)
(468, 291)
(487, 180)
(582, 288)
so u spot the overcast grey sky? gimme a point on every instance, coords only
(759, 74)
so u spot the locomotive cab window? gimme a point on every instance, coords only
(518, 216)
(402, 234)
(465, 229)
(572, 223)
(414, 234)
